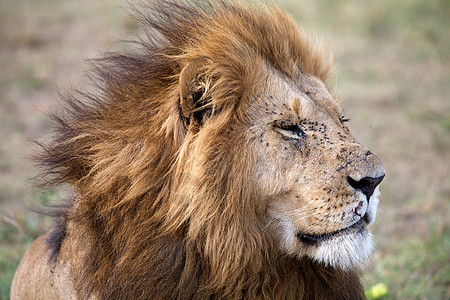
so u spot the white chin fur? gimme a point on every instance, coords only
(345, 251)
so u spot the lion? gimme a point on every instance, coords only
(212, 163)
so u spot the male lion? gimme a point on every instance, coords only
(212, 164)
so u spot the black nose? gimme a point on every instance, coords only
(366, 185)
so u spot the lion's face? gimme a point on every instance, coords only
(320, 184)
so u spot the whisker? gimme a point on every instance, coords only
(302, 210)
(304, 214)
(301, 218)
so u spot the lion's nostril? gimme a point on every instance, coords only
(366, 185)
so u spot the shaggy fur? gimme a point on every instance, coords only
(165, 203)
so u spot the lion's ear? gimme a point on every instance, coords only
(193, 84)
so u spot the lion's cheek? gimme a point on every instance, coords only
(276, 179)
(287, 240)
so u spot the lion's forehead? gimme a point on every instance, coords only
(305, 97)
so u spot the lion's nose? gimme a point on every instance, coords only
(366, 185)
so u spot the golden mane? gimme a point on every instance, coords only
(159, 212)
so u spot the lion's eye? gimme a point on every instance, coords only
(290, 130)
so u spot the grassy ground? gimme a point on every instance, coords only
(394, 77)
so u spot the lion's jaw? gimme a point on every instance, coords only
(354, 246)
(315, 212)
(344, 249)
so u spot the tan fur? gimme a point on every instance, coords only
(189, 184)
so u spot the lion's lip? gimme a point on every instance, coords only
(312, 239)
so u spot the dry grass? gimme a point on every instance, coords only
(393, 75)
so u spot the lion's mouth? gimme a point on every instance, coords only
(311, 239)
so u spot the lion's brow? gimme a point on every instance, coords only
(295, 103)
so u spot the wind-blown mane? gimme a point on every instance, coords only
(160, 212)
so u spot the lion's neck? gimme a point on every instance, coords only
(170, 268)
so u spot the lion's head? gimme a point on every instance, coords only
(288, 151)
(211, 159)
(290, 155)
(320, 184)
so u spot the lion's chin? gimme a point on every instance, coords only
(344, 249)
(357, 228)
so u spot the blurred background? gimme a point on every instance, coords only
(393, 59)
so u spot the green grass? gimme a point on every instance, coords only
(414, 268)
(393, 78)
